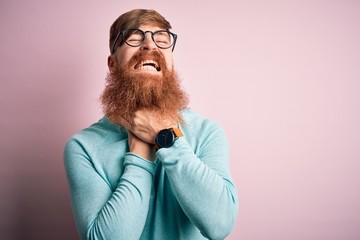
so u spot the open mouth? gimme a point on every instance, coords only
(150, 65)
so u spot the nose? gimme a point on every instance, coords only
(148, 43)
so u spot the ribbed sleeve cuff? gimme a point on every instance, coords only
(135, 160)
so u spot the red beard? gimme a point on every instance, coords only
(128, 91)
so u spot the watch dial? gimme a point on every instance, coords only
(165, 138)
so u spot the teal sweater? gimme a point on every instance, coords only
(187, 193)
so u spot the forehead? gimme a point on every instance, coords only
(149, 27)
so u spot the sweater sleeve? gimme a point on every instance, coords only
(202, 182)
(99, 211)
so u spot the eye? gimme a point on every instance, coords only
(134, 36)
(134, 40)
(162, 38)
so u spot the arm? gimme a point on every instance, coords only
(202, 182)
(101, 212)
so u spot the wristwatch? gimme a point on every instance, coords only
(167, 137)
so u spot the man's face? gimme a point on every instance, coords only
(142, 78)
(125, 52)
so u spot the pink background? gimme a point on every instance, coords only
(282, 78)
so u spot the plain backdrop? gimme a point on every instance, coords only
(281, 77)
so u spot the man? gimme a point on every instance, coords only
(150, 168)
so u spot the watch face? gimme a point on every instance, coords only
(165, 138)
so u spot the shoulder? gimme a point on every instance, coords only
(95, 135)
(195, 121)
(205, 136)
(200, 128)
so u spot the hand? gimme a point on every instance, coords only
(141, 148)
(147, 124)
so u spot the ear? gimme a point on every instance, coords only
(111, 62)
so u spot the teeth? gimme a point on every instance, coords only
(148, 65)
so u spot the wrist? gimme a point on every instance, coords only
(143, 150)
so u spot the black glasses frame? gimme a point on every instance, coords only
(122, 34)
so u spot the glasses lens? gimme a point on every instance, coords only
(163, 39)
(134, 37)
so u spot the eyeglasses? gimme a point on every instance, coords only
(135, 37)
